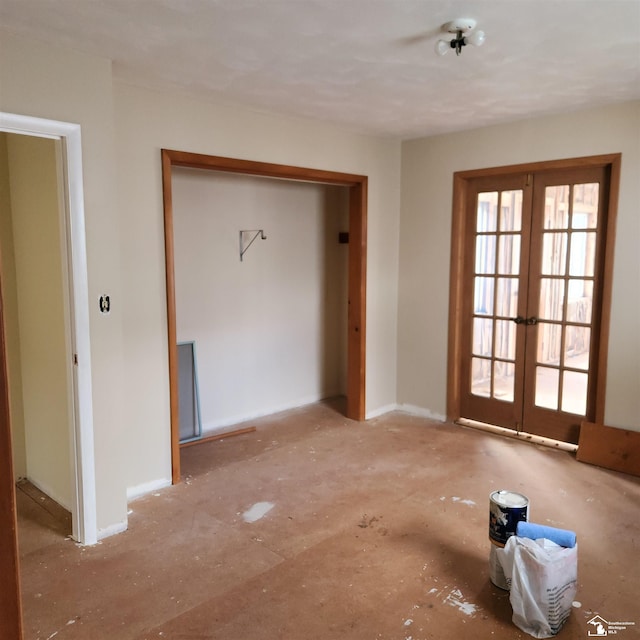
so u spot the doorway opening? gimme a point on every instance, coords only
(356, 286)
(532, 261)
(73, 314)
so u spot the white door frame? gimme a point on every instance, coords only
(84, 515)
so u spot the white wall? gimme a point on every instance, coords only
(41, 298)
(47, 82)
(270, 331)
(147, 121)
(427, 185)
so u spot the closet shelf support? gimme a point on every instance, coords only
(257, 233)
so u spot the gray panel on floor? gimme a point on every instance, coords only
(189, 401)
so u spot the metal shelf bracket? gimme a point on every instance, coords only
(256, 233)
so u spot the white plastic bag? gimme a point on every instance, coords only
(542, 577)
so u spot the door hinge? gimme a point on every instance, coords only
(529, 180)
(75, 358)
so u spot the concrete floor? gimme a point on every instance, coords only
(378, 530)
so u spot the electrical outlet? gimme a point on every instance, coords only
(105, 303)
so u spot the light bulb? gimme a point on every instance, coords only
(476, 38)
(442, 46)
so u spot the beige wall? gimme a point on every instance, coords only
(123, 130)
(427, 168)
(147, 121)
(10, 313)
(42, 81)
(270, 330)
(41, 298)
(124, 232)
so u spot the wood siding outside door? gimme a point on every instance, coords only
(531, 270)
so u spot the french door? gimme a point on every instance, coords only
(533, 283)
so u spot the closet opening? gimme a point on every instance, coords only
(173, 162)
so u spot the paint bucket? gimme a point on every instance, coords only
(506, 509)
(496, 572)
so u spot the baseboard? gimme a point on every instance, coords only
(609, 447)
(112, 529)
(421, 412)
(214, 427)
(376, 413)
(146, 487)
(406, 408)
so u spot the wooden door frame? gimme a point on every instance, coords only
(10, 602)
(461, 179)
(356, 321)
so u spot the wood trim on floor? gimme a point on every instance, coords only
(608, 447)
(356, 338)
(218, 436)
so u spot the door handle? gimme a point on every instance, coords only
(529, 321)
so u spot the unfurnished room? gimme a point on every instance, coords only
(319, 319)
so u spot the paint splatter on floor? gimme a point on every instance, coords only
(471, 503)
(257, 511)
(455, 598)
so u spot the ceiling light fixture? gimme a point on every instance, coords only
(463, 28)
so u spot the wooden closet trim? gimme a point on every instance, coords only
(612, 162)
(357, 268)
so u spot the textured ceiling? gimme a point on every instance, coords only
(369, 65)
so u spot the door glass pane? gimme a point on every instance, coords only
(481, 377)
(485, 254)
(482, 336)
(549, 343)
(576, 347)
(554, 254)
(505, 339)
(551, 299)
(503, 380)
(547, 384)
(483, 296)
(507, 297)
(574, 392)
(580, 300)
(487, 213)
(556, 207)
(583, 253)
(511, 210)
(509, 254)
(585, 206)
